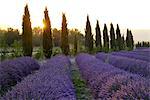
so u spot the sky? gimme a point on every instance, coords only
(132, 14)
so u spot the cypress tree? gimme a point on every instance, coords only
(118, 40)
(75, 44)
(27, 33)
(129, 40)
(47, 35)
(64, 36)
(98, 41)
(88, 36)
(123, 42)
(106, 39)
(132, 41)
(112, 37)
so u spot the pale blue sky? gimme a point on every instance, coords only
(133, 14)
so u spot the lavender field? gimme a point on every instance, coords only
(74, 50)
(123, 75)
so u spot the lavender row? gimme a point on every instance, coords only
(139, 52)
(13, 71)
(132, 55)
(110, 83)
(142, 49)
(139, 67)
(51, 82)
(144, 53)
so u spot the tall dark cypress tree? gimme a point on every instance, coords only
(112, 37)
(132, 41)
(106, 39)
(129, 40)
(98, 41)
(64, 36)
(123, 42)
(118, 40)
(88, 36)
(27, 33)
(47, 35)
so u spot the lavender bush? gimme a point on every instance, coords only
(51, 82)
(13, 71)
(132, 65)
(132, 55)
(142, 49)
(144, 53)
(110, 83)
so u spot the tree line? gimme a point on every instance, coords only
(115, 42)
(47, 35)
(142, 44)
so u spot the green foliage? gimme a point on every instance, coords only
(16, 49)
(64, 36)
(3, 49)
(47, 36)
(82, 92)
(75, 45)
(98, 41)
(56, 51)
(27, 33)
(105, 39)
(88, 36)
(39, 53)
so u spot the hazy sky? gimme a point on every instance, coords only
(132, 14)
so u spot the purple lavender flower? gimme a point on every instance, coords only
(136, 66)
(106, 81)
(13, 71)
(132, 55)
(51, 82)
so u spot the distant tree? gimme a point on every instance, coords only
(98, 41)
(118, 40)
(138, 44)
(75, 44)
(16, 48)
(112, 37)
(145, 44)
(129, 40)
(80, 39)
(47, 35)
(105, 39)
(88, 36)
(11, 35)
(27, 33)
(56, 37)
(37, 36)
(64, 36)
